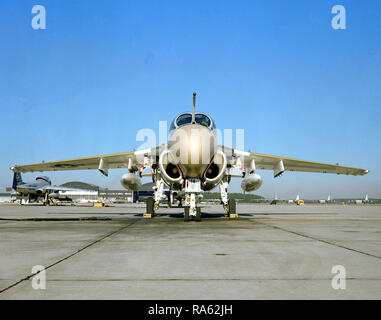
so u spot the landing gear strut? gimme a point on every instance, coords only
(159, 190)
(228, 204)
(46, 199)
(152, 203)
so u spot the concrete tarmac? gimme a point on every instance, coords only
(269, 252)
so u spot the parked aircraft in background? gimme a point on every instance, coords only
(294, 201)
(40, 189)
(326, 201)
(275, 200)
(365, 200)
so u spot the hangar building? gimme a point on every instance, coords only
(91, 193)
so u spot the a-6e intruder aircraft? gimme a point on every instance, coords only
(40, 188)
(191, 162)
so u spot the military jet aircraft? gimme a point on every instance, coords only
(191, 162)
(41, 188)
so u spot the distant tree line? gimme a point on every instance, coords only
(237, 196)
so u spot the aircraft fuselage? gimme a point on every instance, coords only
(32, 188)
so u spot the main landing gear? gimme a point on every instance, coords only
(152, 203)
(228, 204)
(191, 210)
(46, 201)
(150, 208)
(232, 212)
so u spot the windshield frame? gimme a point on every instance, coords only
(174, 124)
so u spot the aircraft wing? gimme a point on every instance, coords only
(281, 164)
(54, 188)
(134, 159)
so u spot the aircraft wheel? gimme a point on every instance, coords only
(232, 208)
(150, 204)
(198, 214)
(186, 214)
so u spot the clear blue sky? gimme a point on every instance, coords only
(102, 70)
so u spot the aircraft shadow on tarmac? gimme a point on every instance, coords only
(180, 215)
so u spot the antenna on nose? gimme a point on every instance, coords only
(194, 107)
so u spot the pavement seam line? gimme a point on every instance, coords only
(69, 256)
(317, 239)
(219, 279)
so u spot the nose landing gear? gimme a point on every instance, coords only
(197, 217)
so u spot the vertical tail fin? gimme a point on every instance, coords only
(17, 180)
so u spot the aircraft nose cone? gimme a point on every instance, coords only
(193, 147)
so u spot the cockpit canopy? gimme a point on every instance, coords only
(44, 178)
(186, 118)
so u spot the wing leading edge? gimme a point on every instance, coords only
(132, 159)
(281, 164)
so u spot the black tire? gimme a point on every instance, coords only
(198, 214)
(232, 206)
(186, 214)
(150, 202)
